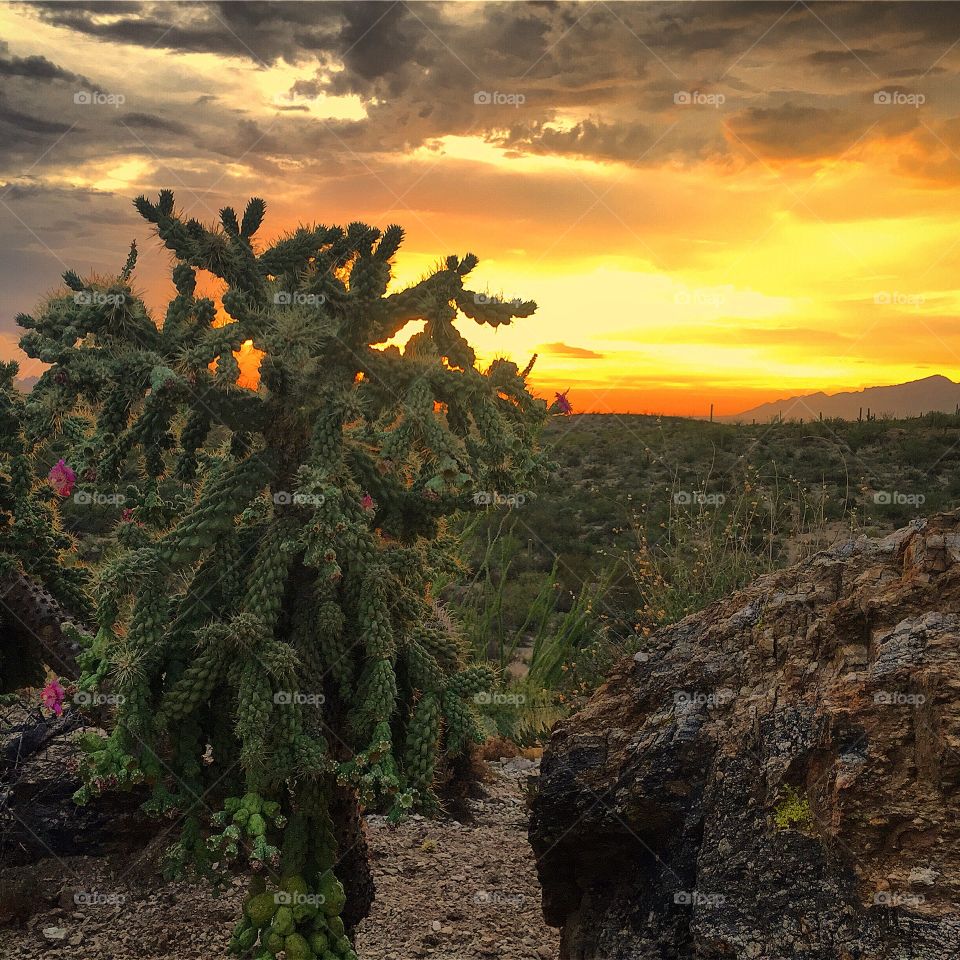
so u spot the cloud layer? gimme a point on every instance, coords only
(802, 155)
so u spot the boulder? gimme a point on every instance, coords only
(776, 776)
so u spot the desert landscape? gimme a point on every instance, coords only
(479, 481)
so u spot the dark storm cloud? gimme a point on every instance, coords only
(792, 130)
(34, 68)
(801, 132)
(596, 81)
(262, 32)
(34, 194)
(377, 40)
(38, 69)
(627, 142)
(929, 22)
(29, 123)
(150, 121)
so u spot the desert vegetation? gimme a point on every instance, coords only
(646, 519)
(260, 615)
(593, 595)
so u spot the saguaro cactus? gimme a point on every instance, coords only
(265, 616)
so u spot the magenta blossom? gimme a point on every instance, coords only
(368, 503)
(61, 478)
(52, 696)
(563, 404)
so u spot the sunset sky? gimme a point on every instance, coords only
(725, 202)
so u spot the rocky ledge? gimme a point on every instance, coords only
(776, 776)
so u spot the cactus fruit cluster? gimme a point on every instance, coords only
(265, 620)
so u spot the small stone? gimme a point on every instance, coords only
(54, 933)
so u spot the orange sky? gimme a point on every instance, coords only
(795, 233)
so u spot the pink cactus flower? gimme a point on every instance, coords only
(52, 697)
(61, 478)
(368, 503)
(563, 404)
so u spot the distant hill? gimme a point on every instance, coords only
(899, 400)
(25, 384)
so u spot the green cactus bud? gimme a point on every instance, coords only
(297, 947)
(283, 921)
(261, 909)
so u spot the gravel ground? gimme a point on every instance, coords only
(445, 890)
(449, 890)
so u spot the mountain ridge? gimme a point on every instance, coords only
(909, 399)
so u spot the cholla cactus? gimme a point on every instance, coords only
(39, 578)
(273, 630)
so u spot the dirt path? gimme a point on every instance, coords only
(456, 891)
(445, 890)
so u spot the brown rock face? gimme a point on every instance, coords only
(777, 776)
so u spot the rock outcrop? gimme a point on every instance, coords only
(777, 776)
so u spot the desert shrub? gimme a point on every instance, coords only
(544, 635)
(705, 550)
